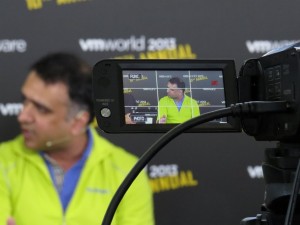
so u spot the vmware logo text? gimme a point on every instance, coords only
(10, 109)
(255, 172)
(264, 46)
(119, 45)
(13, 45)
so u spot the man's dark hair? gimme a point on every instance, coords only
(179, 82)
(72, 71)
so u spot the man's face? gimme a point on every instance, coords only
(173, 91)
(45, 112)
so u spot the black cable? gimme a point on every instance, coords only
(293, 197)
(234, 110)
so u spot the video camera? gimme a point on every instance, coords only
(273, 77)
(213, 84)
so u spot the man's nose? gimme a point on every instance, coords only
(26, 114)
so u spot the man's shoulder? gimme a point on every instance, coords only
(11, 145)
(9, 149)
(104, 148)
(165, 99)
(190, 99)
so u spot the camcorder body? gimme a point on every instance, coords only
(272, 77)
(275, 77)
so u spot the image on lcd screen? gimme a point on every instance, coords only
(171, 96)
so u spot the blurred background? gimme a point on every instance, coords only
(202, 178)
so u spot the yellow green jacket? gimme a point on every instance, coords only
(168, 108)
(28, 194)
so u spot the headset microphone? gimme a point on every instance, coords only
(55, 142)
(66, 138)
(49, 144)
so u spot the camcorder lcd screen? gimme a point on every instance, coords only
(171, 96)
(156, 95)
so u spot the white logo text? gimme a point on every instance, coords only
(10, 109)
(264, 46)
(255, 172)
(8, 46)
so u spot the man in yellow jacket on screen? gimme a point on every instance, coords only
(59, 171)
(176, 107)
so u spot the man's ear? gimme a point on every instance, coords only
(80, 122)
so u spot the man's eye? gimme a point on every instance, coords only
(42, 109)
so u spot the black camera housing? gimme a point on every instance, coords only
(272, 77)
